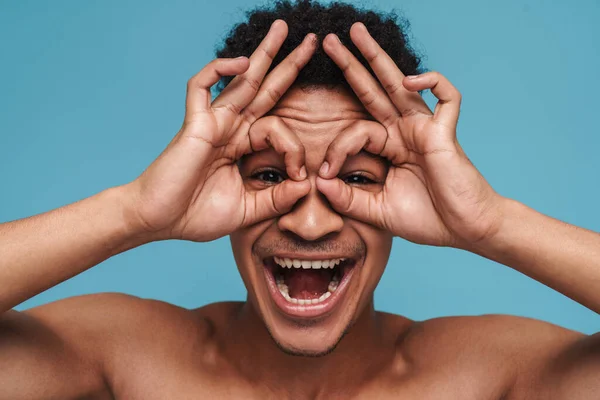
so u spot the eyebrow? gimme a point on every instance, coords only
(375, 157)
(302, 116)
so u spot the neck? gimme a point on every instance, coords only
(364, 348)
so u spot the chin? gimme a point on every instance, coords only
(310, 338)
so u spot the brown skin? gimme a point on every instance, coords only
(128, 348)
(115, 346)
(316, 118)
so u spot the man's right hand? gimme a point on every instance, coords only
(194, 190)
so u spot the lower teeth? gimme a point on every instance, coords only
(284, 290)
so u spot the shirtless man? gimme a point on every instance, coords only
(311, 182)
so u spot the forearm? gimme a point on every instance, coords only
(44, 250)
(561, 256)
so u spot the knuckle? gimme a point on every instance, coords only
(252, 82)
(193, 82)
(274, 94)
(272, 123)
(275, 121)
(296, 62)
(334, 151)
(458, 95)
(297, 65)
(389, 120)
(295, 147)
(276, 196)
(368, 97)
(214, 64)
(345, 64)
(268, 52)
(349, 203)
(393, 87)
(233, 108)
(249, 115)
(372, 56)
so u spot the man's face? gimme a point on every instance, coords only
(307, 310)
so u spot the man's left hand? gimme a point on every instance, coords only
(432, 194)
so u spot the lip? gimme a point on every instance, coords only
(307, 311)
(311, 257)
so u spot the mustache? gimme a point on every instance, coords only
(300, 246)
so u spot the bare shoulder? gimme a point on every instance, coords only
(63, 349)
(121, 337)
(97, 324)
(498, 328)
(101, 313)
(532, 358)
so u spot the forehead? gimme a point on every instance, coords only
(318, 114)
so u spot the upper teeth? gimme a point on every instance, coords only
(307, 264)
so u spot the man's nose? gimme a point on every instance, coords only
(312, 218)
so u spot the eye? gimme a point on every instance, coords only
(270, 176)
(357, 179)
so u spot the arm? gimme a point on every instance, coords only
(561, 256)
(192, 191)
(61, 350)
(567, 259)
(57, 350)
(44, 250)
(434, 195)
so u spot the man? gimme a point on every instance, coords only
(311, 177)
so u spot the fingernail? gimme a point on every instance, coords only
(324, 168)
(312, 39)
(412, 77)
(303, 173)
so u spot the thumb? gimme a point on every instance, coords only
(351, 201)
(274, 201)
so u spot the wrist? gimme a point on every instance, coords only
(132, 228)
(497, 244)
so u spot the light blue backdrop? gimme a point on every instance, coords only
(91, 92)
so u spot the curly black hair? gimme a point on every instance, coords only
(306, 16)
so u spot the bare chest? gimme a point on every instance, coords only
(159, 383)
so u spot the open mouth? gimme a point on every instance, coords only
(308, 288)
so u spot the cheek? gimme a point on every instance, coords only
(379, 246)
(242, 243)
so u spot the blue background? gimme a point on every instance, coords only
(91, 92)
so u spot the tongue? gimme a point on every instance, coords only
(307, 283)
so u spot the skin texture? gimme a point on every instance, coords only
(416, 183)
(312, 227)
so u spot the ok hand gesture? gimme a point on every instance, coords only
(194, 190)
(433, 194)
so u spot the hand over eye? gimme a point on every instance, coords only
(433, 194)
(194, 190)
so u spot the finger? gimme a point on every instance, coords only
(273, 132)
(449, 98)
(281, 78)
(362, 135)
(198, 88)
(274, 201)
(361, 81)
(387, 72)
(352, 201)
(242, 89)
